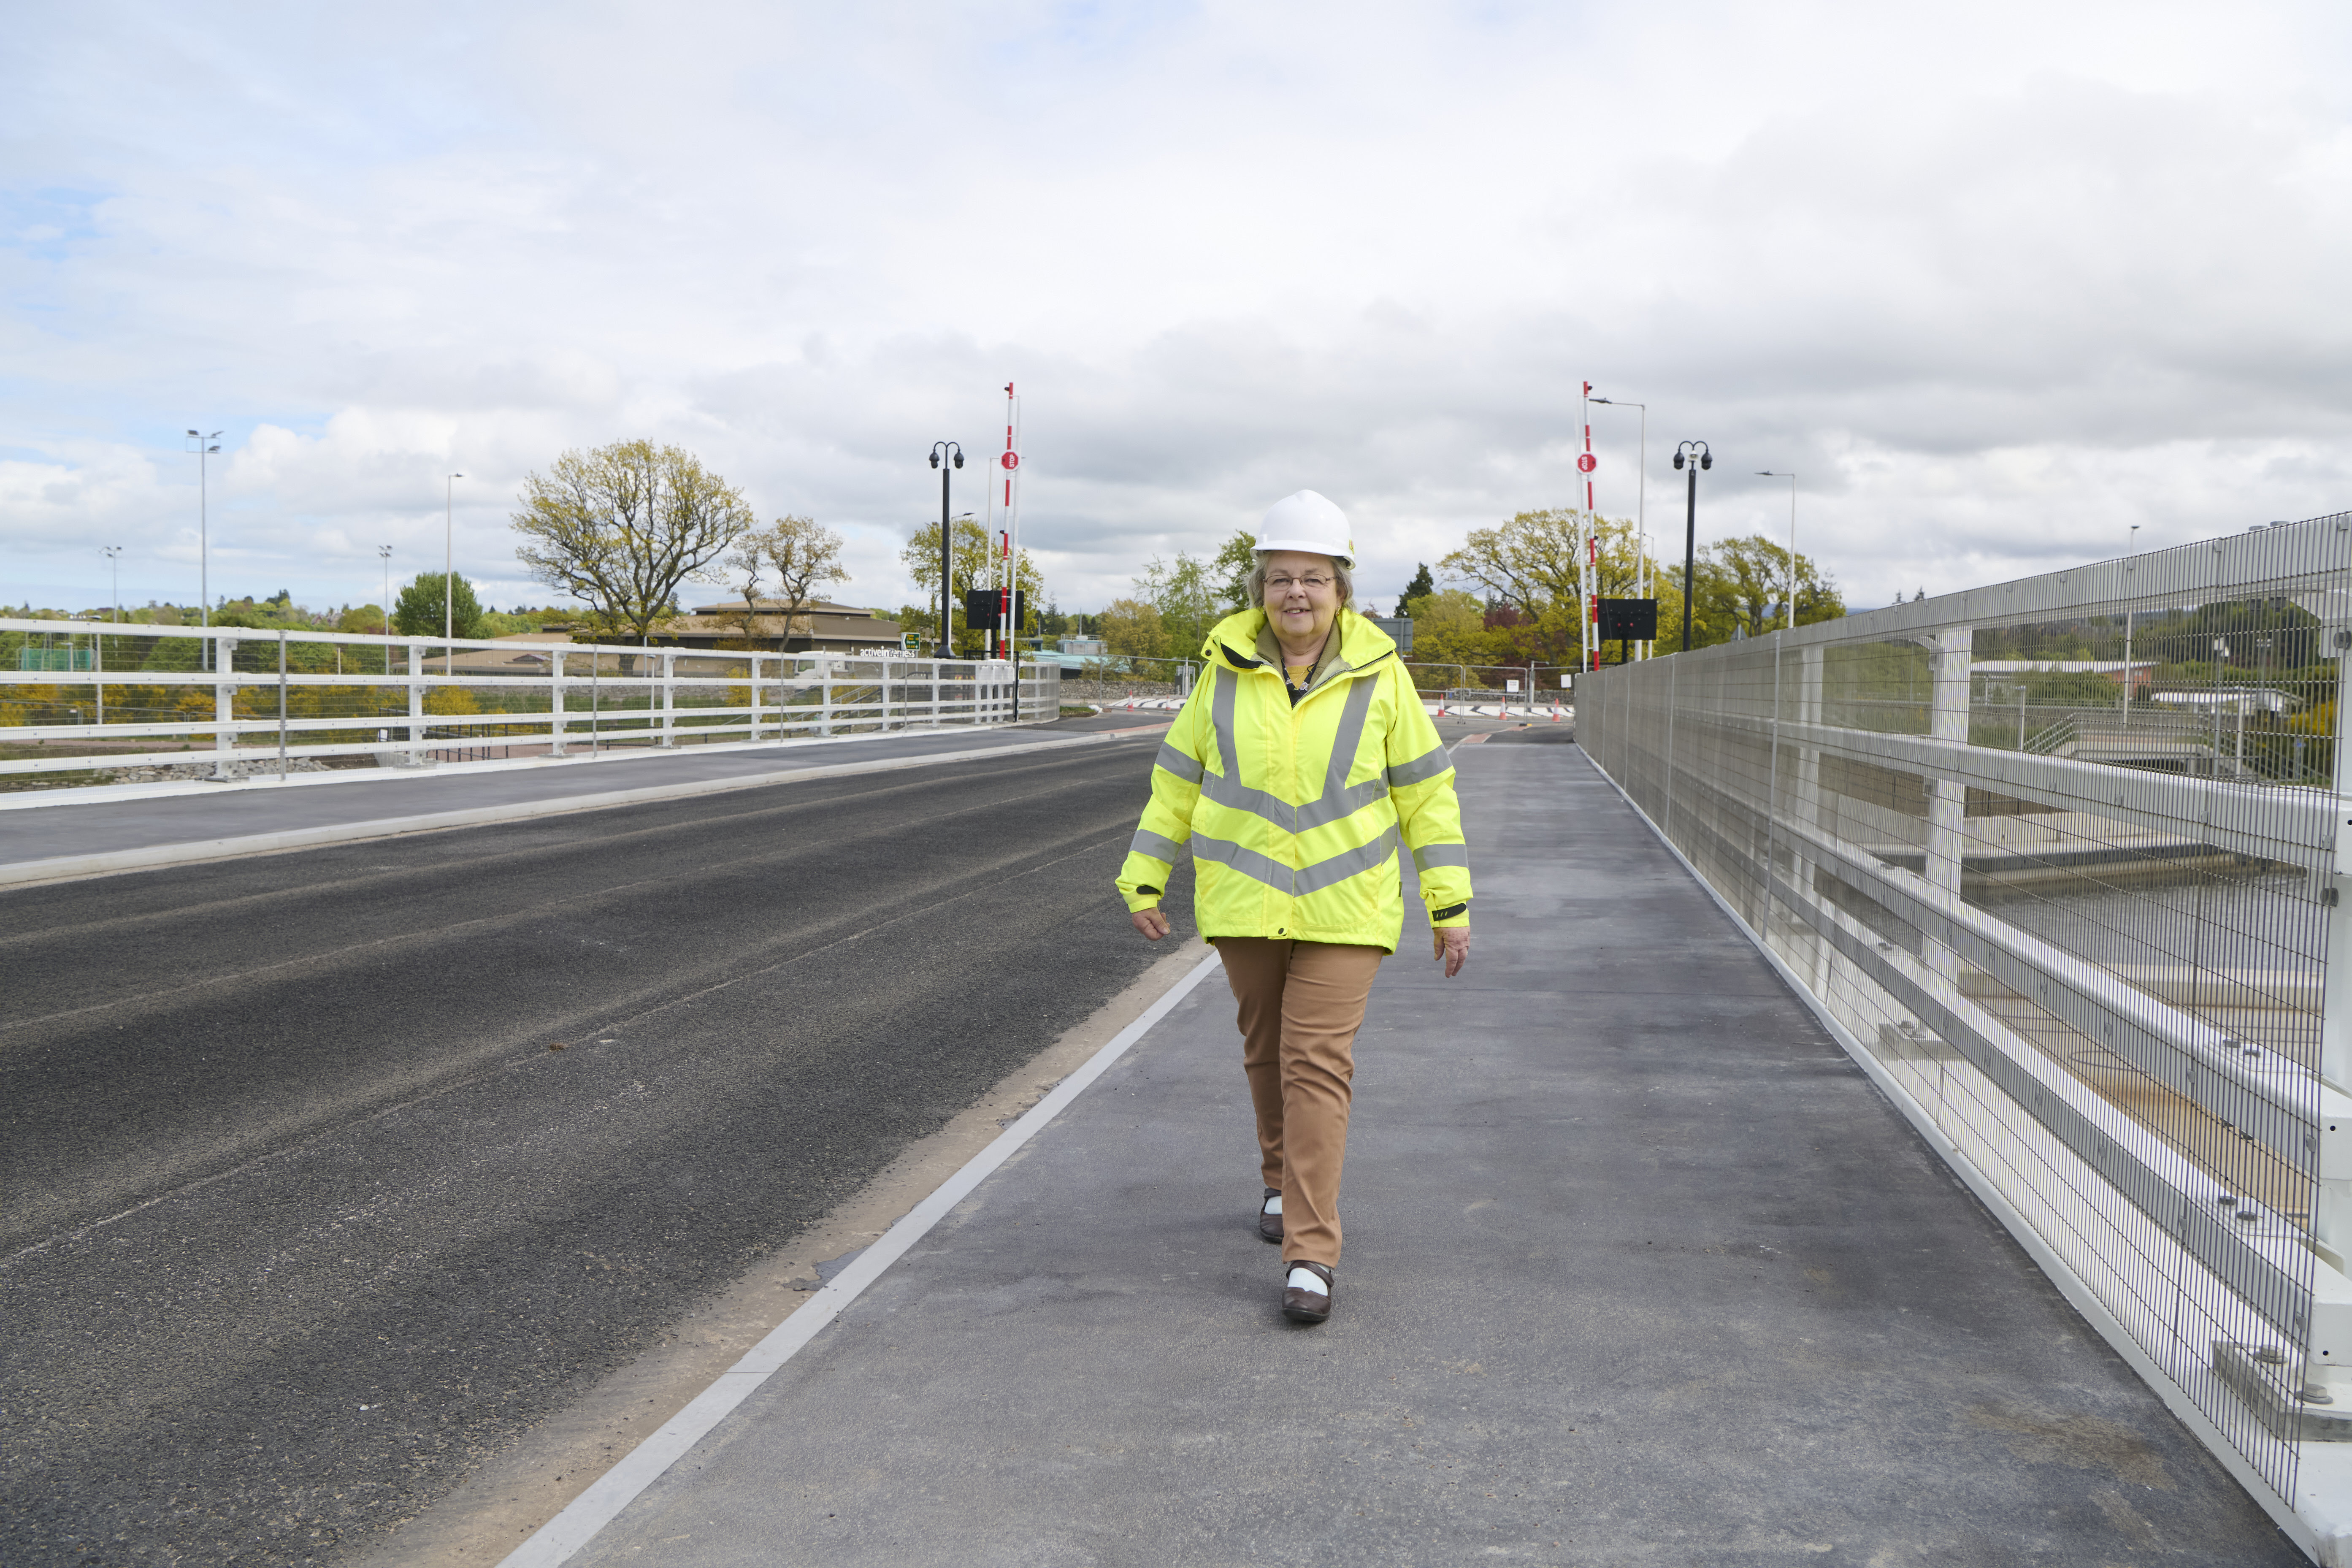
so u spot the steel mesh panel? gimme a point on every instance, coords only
(2060, 854)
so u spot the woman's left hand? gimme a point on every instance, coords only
(1451, 943)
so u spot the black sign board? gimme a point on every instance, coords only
(981, 607)
(1629, 620)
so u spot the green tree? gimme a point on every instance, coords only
(1185, 600)
(797, 553)
(1449, 627)
(621, 527)
(1236, 558)
(417, 611)
(1749, 587)
(1420, 588)
(1132, 629)
(366, 618)
(1530, 562)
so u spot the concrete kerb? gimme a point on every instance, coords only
(143, 858)
(568, 1530)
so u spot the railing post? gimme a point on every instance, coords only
(824, 695)
(416, 702)
(1947, 799)
(669, 700)
(1804, 797)
(752, 671)
(555, 704)
(2331, 1215)
(223, 703)
(886, 695)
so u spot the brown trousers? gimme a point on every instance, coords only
(1301, 1005)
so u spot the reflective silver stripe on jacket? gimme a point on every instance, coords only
(1188, 769)
(1146, 842)
(1430, 855)
(1421, 769)
(1337, 800)
(1312, 878)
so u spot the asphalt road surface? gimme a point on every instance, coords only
(302, 1215)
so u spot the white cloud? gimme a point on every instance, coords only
(1996, 285)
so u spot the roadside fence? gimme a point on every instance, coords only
(2064, 860)
(231, 701)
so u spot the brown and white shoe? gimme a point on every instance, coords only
(1300, 1302)
(1269, 1215)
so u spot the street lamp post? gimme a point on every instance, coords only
(1691, 456)
(113, 554)
(1640, 478)
(954, 452)
(203, 447)
(1769, 474)
(449, 575)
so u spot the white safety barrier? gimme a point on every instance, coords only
(83, 695)
(2063, 861)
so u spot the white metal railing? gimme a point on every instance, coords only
(2096, 947)
(78, 696)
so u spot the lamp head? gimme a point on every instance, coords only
(958, 457)
(1707, 460)
(1678, 462)
(935, 459)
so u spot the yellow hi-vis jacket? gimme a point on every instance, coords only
(1295, 811)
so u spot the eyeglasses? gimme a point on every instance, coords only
(1284, 585)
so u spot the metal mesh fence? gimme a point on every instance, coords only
(2060, 856)
(83, 703)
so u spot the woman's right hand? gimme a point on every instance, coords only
(1150, 922)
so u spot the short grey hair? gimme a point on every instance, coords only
(1255, 584)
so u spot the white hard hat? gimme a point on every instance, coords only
(1306, 522)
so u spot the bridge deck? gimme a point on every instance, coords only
(1639, 1268)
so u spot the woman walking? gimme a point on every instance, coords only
(1297, 765)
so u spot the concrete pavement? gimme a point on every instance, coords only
(1639, 1268)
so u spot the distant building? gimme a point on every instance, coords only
(820, 626)
(1078, 655)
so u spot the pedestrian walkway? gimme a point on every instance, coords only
(1639, 1268)
(66, 833)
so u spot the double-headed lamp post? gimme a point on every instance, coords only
(1769, 474)
(1691, 455)
(953, 452)
(113, 554)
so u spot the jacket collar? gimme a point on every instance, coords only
(1234, 644)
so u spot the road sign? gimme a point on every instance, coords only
(1011, 460)
(1586, 462)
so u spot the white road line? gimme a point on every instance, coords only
(592, 1510)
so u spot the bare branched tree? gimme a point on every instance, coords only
(800, 552)
(621, 527)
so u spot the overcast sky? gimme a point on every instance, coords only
(1997, 281)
